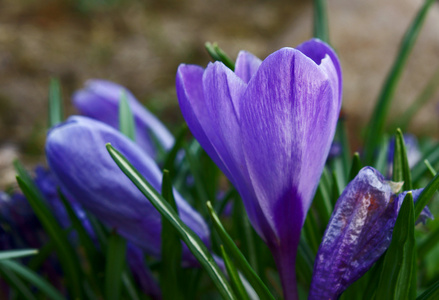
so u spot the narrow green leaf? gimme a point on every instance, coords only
(17, 253)
(67, 256)
(379, 115)
(355, 166)
(428, 244)
(304, 262)
(426, 195)
(420, 168)
(16, 283)
(321, 30)
(241, 262)
(236, 282)
(126, 118)
(169, 161)
(56, 114)
(401, 169)
(430, 167)
(219, 55)
(33, 278)
(426, 94)
(170, 268)
(312, 232)
(398, 269)
(194, 243)
(129, 286)
(381, 162)
(432, 293)
(115, 264)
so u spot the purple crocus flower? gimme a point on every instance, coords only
(100, 100)
(358, 233)
(78, 157)
(269, 127)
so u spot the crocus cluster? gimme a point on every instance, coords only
(268, 126)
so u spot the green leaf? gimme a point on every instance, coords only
(241, 262)
(420, 168)
(379, 115)
(33, 278)
(432, 293)
(398, 269)
(428, 244)
(170, 268)
(381, 162)
(304, 262)
(17, 253)
(16, 283)
(430, 167)
(219, 55)
(194, 243)
(56, 114)
(115, 264)
(355, 166)
(401, 169)
(426, 195)
(321, 30)
(169, 161)
(126, 118)
(237, 285)
(67, 256)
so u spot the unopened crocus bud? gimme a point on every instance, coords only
(358, 233)
(78, 157)
(100, 100)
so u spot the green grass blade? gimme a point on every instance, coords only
(420, 168)
(431, 293)
(379, 115)
(426, 195)
(194, 243)
(398, 269)
(126, 118)
(56, 114)
(321, 21)
(16, 283)
(169, 161)
(430, 167)
(241, 262)
(129, 286)
(428, 244)
(401, 169)
(170, 268)
(236, 282)
(219, 55)
(67, 256)
(17, 253)
(355, 166)
(115, 264)
(33, 278)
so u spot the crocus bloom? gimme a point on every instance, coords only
(100, 100)
(78, 157)
(269, 127)
(358, 233)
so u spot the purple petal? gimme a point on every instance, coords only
(358, 233)
(100, 100)
(246, 65)
(77, 156)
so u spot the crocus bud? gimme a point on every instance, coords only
(358, 233)
(78, 157)
(100, 100)
(268, 126)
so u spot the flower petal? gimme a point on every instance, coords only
(77, 156)
(100, 100)
(246, 65)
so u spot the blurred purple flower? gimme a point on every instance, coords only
(78, 157)
(100, 100)
(358, 233)
(269, 127)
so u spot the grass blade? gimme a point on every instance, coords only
(379, 115)
(321, 21)
(398, 269)
(426, 195)
(401, 169)
(56, 114)
(420, 168)
(431, 293)
(237, 285)
(115, 264)
(355, 166)
(17, 253)
(33, 278)
(170, 268)
(242, 263)
(126, 118)
(16, 283)
(194, 243)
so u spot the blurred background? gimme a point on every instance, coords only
(140, 44)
